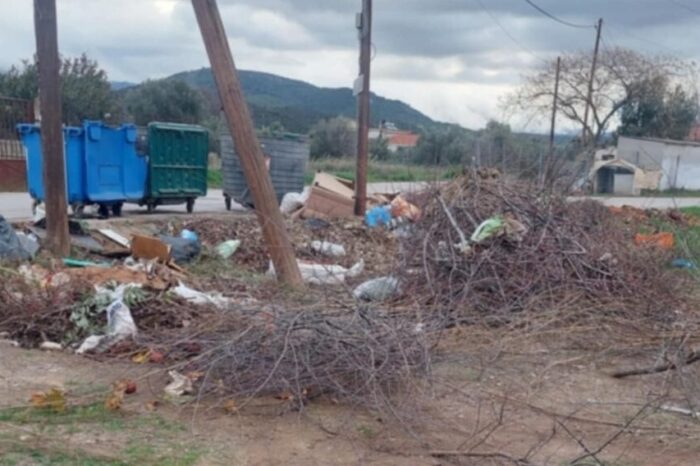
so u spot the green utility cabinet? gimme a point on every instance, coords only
(177, 164)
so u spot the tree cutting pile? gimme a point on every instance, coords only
(388, 303)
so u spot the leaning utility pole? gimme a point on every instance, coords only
(364, 25)
(247, 146)
(550, 155)
(589, 96)
(53, 164)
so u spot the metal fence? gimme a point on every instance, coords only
(12, 164)
(12, 112)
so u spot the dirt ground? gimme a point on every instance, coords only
(549, 406)
(534, 391)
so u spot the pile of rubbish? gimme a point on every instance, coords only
(333, 197)
(492, 247)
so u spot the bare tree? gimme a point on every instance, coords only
(614, 85)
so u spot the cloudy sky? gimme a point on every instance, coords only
(452, 59)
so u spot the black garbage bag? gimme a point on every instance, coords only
(181, 249)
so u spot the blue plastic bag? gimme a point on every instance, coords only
(379, 215)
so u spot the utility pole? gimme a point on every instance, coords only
(53, 165)
(550, 155)
(247, 146)
(589, 96)
(364, 25)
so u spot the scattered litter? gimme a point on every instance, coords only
(180, 385)
(68, 262)
(189, 235)
(90, 343)
(39, 213)
(377, 216)
(53, 399)
(10, 245)
(488, 228)
(146, 247)
(514, 229)
(29, 242)
(120, 323)
(328, 248)
(228, 248)
(663, 240)
(378, 289)
(324, 274)
(292, 202)
(181, 250)
(679, 410)
(116, 237)
(680, 263)
(330, 196)
(50, 346)
(401, 208)
(197, 297)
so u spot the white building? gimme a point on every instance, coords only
(647, 163)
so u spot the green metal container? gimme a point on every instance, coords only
(177, 164)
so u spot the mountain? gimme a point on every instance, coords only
(120, 85)
(297, 105)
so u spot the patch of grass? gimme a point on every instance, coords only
(693, 211)
(380, 171)
(671, 193)
(210, 265)
(686, 239)
(214, 179)
(175, 455)
(90, 413)
(20, 455)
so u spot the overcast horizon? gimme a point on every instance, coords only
(451, 59)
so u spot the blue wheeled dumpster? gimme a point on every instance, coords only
(102, 166)
(114, 172)
(74, 164)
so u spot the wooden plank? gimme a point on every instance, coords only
(250, 154)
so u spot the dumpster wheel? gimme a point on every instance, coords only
(117, 209)
(103, 211)
(151, 207)
(190, 205)
(227, 201)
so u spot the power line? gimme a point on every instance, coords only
(507, 33)
(558, 20)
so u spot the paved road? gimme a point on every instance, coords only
(18, 206)
(648, 202)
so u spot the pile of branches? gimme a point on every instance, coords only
(31, 314)
(563, 253)
(356, 356)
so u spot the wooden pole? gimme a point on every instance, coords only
(589, 96)
(365, 28)
(550, 154)
(53, 165)
(247, 146)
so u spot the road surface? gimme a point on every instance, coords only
(18, 206)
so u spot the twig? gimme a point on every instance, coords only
(692, 357)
